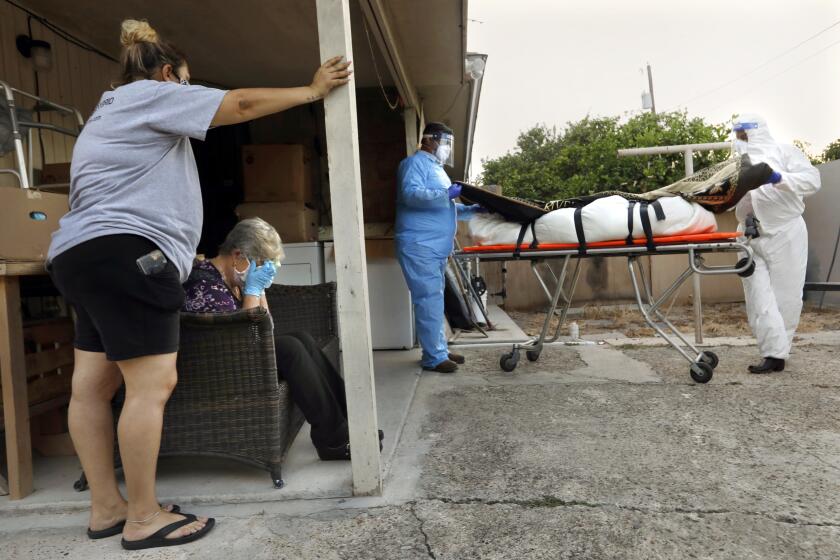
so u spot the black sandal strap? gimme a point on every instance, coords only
(163, 532)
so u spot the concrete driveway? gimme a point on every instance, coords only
(592, 452)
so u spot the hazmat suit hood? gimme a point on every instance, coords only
(760, 144)
(776, 204)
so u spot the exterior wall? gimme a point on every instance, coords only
(726, 288)
(823, 228)
(78, 78)
(601, 279)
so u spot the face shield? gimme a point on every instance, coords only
(742, 129)
(750, 135)
(741, 135)
(445, 152)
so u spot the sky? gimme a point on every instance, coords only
(556, 61)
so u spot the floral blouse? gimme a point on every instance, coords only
(206, 291)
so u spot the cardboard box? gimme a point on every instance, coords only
(278, 173)
(27, 220)
(55, 173)
(375, 250)
(294, 222)
(380, 249)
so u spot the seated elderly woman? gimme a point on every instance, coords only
(237, 279)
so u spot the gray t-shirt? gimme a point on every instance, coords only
(133, 169)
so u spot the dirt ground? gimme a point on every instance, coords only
(725, 319)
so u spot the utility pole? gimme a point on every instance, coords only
(650, 89)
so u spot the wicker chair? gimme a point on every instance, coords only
(229, 401)
(310, 309)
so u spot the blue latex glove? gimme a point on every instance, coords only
(259, 278)
(480, 209)
(454, 190)
(776, 177)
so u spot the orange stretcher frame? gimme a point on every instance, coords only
(694, 247)
(665, 240)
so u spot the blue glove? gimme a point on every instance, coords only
(480, 209)
(454, 190)
(775, 177)
(259, 278)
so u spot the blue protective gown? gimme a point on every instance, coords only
(425, 231)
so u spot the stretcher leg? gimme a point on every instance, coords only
(465, 276)
(533, 348)
(654, 307)
(468, 293)
(568, 297)
(701, 367)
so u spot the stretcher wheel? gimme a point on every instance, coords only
(748, 272)
(532, 355)
(509, 361)
(701, 372)
(709, 358)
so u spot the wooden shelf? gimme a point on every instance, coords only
(21, 268)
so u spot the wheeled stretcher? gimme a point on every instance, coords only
(560, 288)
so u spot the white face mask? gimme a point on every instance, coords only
(442, 153)
(740, 146)
(240, 277)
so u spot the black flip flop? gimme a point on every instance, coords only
(158, 539)
(117, 528)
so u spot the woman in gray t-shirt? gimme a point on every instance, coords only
(120, 256)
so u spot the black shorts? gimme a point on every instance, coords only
(119, 310)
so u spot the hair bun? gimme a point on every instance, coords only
(137, 31)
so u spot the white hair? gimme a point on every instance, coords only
(256, 239)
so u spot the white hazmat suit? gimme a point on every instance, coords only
(774, 292)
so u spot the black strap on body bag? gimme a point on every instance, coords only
(522, 231)
(631, 204)
(643, 214)
(579, 230)
(645, 218)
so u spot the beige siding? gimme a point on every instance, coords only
(78, 78)
(601, 280)
(726, 288)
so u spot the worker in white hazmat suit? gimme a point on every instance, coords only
(773, 292)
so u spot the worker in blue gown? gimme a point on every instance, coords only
(425, 233)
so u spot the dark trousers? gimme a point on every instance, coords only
(316, 387)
